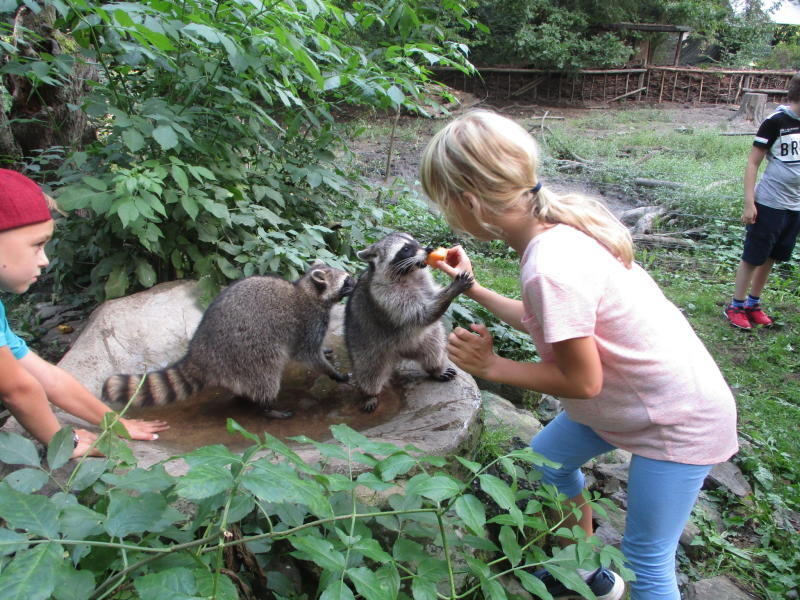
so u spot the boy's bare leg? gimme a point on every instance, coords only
(759, 277)
(744, 277)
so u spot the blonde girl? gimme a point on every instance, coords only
(627, 366)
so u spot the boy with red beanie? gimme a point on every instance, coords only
(28, 383)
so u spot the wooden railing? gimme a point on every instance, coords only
(653, 84)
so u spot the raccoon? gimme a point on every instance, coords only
(394, 313)
(245, 339)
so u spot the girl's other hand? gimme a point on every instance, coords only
(144, 430)
(472, 352)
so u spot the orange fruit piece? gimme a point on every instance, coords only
(436, 255)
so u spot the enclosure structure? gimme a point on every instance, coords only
(587, 87)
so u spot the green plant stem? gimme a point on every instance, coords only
(353, 504)
(446, 550)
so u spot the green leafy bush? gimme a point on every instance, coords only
(217, 143)
(124, 537)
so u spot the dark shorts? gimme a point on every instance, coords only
(773, 235)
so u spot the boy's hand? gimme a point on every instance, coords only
(749, 214)
(472, 352)
(85, 440)
(144, 430)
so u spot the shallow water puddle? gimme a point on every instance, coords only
(317, 402)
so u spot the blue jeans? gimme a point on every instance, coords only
(661, 495)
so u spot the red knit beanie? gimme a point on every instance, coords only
(22, 201)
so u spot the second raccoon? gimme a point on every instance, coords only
(394, 313)
(245, 339)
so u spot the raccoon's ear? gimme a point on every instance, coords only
(317, 263)
(318, 277)
(367, 253)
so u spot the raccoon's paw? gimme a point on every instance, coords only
(341, 377)
(463, 281)
(278, 414)
(447, 375)
(370, 404)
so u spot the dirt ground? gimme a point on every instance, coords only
(413, 133)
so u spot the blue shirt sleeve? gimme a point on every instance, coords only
(8, 338)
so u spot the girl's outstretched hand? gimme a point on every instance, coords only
(144, 430)
(472, 352)
(456, 261)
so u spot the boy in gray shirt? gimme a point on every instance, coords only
(771, 209)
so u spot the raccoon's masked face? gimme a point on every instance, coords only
(331, 284)
(396, 255)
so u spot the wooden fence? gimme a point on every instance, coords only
(652, 84)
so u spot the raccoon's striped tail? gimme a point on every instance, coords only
(160, 387)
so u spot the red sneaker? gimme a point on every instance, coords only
(738, 317)
(756, 316)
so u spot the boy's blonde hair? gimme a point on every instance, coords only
(494, 160)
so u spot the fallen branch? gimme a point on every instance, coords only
(391, 148)
(657, 183)
(640, 220)
(621, 96)
(715, 184)
(665, 241)
(647, 156)
(630, 216)
(541, 126)
(564, 165)
(527, 86)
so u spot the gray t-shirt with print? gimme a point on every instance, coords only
(779, 135)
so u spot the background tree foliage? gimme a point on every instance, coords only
(203, 139)
(216, 131)
(573, 34)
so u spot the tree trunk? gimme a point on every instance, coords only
(40, 116)
(9, 148)
(752, 107)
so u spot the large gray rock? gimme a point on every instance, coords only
(500, 413)
(716, 588)
(729, 476)
(138, 333)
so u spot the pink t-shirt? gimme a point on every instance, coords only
(663, 396)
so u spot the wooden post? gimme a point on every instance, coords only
(677, 59)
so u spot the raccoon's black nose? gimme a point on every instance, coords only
(348, 287)
(429, 249)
